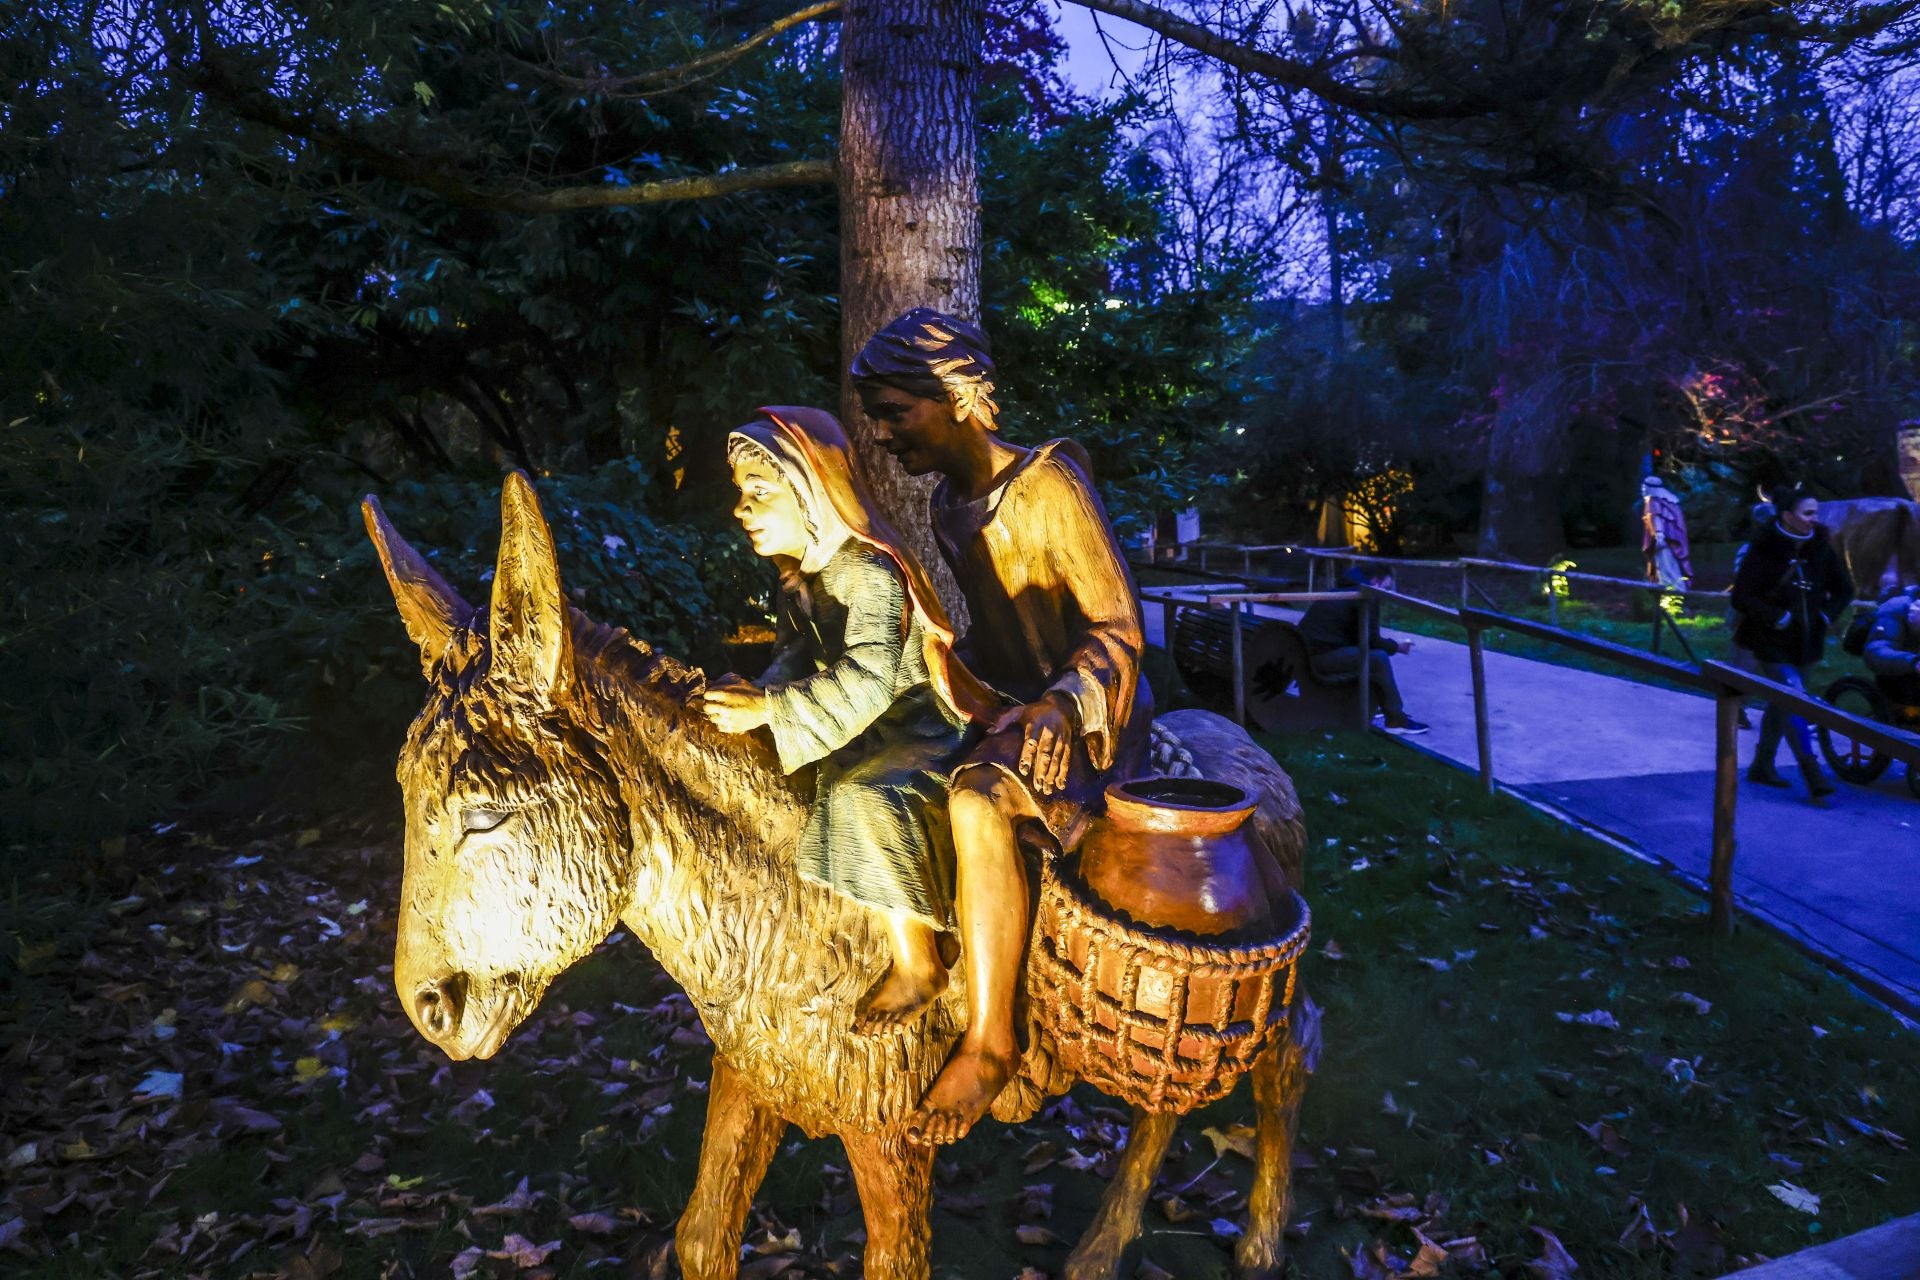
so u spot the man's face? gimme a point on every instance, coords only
(919, 432)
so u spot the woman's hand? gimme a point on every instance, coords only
(1047, 726)
(734, 705)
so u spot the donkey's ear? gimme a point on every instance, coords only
(430, 610)
(532, 639)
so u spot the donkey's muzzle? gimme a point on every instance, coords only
(437, 1006)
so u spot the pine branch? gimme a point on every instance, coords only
(1312, 77)
(264, 108)
(679, 76)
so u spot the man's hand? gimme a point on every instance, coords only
(734, 705)
(1047, 726)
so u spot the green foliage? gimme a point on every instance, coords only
(234, 650)
(1094, 345)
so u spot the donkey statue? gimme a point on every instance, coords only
(561, 778)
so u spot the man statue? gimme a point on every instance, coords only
(1663, 535)
(1055, 635)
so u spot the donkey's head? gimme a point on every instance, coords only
(518, 851)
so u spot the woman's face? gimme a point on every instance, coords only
(768, 509)
(1800, 517)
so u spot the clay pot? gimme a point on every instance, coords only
(1170, 853)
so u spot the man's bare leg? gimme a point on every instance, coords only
(992, 904)
(911, 983)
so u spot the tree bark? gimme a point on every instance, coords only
(909, 204)
(1526, 465)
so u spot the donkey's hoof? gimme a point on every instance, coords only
(1097, 1257)
(1257, 1259)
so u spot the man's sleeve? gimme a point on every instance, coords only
(1103, 669)
(1883, 653)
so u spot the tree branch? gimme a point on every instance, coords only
(265, 108)
(793, 173)
(1292, 73)
(667, 79)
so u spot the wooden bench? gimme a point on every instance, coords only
(1284, 695)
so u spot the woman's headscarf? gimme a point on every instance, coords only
(932, 355)
(811, 445)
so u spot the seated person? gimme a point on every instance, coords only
(1893, 647)
(1332, 632)
(850, 691)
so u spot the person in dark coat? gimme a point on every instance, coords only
(1789, 590)
(1893, 647)
(1331, 629)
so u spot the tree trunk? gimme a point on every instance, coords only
(1520, 515)
(909, 204)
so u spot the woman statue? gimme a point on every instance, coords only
(860, 687)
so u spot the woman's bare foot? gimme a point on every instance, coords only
(901, 995)
(967, 1086)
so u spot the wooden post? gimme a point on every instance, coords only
(1553, 601)
(1239, 672)
(1168, 611)
(1366, 662)
(1203, 557)
(1654, 647)
(1246, 561)
(1463, 584)
(1312, 563)
(1482, 726)
(1726, 792)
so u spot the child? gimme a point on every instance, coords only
(861, 687)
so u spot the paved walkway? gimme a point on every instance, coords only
(1635, 764)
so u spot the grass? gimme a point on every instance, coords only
(1451, 931)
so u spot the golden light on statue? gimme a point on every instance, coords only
(564, 778)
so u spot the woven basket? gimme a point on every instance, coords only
(1163, 1020)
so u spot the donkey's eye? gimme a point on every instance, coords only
(472, 820)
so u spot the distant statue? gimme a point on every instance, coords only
(1663, 535)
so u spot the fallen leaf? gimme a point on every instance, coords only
(1688, 1000)
(1795, 1197)
(252, 992)
(234, 1114)
(467, 1261)
(1640, 1234)
(522, 1252)
(1240, 1139)
(597, 1224)
(1554, 1262)
(1594, 1018)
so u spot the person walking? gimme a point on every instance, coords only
(1790, 588)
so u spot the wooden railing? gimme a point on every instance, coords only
(1727, 686)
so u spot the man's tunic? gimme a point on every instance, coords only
(1052, 608)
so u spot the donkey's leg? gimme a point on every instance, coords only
(1279, 1082)
(1117, 1222)
(895, 1181)
(740, 1139)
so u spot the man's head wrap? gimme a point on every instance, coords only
(929, 354)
